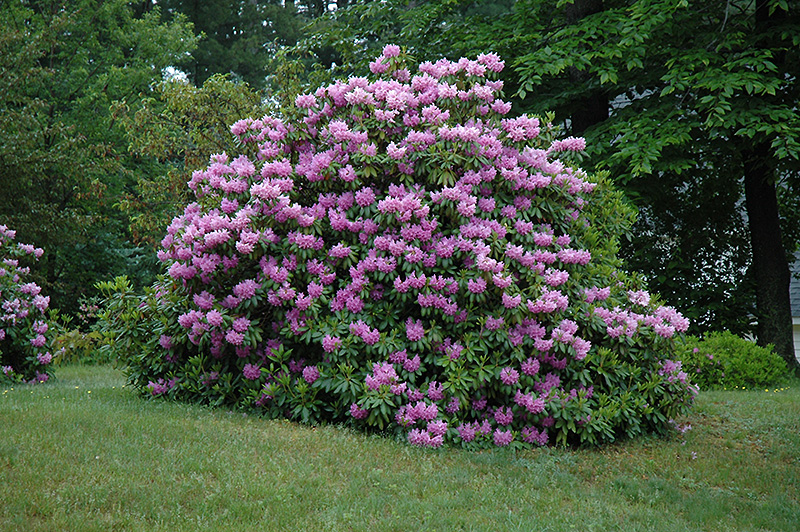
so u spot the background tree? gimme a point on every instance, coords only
(62, 160)
(238, 36)
(174, 131)
(704, 96)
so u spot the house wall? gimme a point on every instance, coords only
(796, 334)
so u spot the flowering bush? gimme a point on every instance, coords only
(24, 354)
(400, 253)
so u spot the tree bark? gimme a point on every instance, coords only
(770, 264)
(593, 107)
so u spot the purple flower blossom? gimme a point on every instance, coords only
(305, 101)
(233, 337)
(160, 387)
(38, 341)
(241, 324)
(503, 415)
(435, 391)
(509, 376)
(476, 286)
(251, 372)
(532, 435)
(419, 437)
(315, 290)
(531, 403)
(411, 365)
(502, 438)
(391, 50)
(246, 289)
(369, 335)
(357, 412)
(382, 374)
(414, 330)
(398, 357)
(453, 406)
(365, 197)
(639, 297)
(310, 374)
(340, 251)
(568, 144)
(511, 301)
(479, 403)
(467, 431)
(437, 428)
(494, 323)
(165, 341)
(214, 318)
(530, 366)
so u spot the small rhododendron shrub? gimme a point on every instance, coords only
(402, 254)
(24, 338)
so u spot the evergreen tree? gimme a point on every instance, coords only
(238, 36)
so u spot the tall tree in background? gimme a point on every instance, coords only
(175, 131)
(62, 161)
(592, 107)
(691, 237)
(238, 36)
(690, 105)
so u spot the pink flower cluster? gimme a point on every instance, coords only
(382, 374)
(665, 321)
(161, 386)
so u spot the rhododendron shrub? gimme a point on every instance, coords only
(24, 343)
(400, 253)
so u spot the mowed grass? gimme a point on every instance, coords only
(86, 453)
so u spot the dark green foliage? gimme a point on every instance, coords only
(724, 360)
(121, 325)
(701, 98)
(75, 338)
(238, 36)
(80, 347)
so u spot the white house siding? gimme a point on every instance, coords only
(796, 334)
(794, 300)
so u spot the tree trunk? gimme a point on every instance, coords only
(593, 107)
(770, 265)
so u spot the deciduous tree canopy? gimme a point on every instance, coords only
(62, 161)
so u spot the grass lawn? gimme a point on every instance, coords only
(86, 453)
